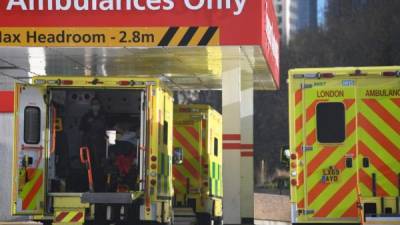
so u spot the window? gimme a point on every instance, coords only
(32, 125)
(165, 138)
(215, 146)
(279, 9)
(331, 122)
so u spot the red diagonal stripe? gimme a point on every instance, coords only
(300, 179)
(322, 155)
(351, 127)
(378, 163)
(320, 187)
(35, 189)
(193, 132)
(298, 97)
(178, 175)
(186, 144)
(334, 201)
(348, 103)
(312, 138)
(312, 108)
(301, 204)
(299, 150)
(367, 181)
(77, 217)
(299, 123)
(386, 116)
(379, 137)
(194, 172)
(61, 216)
(396, 101)
(351, 212)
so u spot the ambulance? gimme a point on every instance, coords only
(198, 178)
(344, 154)
(55, 176)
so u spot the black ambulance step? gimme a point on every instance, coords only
(107, 198)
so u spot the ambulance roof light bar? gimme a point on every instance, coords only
(54, 82)
(314, 75)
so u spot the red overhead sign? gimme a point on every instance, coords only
(141, 23)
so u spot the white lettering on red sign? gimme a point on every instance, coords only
(140, 5)
(271, 39)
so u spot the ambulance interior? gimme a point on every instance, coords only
(117, 168)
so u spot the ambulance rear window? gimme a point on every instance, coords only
(331, 122)
(32, 125)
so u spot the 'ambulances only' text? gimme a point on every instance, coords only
(236, 6)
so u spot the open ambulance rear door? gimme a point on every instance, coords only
(29, 150)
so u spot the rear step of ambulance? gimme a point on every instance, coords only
(184, 216)
(382, 220)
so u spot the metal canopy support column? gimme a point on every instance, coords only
(237, 111)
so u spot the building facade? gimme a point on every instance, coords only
(295, 15)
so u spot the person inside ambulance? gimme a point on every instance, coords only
(92, 128)
(123, 159)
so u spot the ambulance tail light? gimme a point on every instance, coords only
(60, 82)
(126, 83)
(293, 182)
(391, 74)
(67, 82)
(315, 75)
(326, 75)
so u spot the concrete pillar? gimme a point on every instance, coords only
(237, 111)
(231, 96)
(247, 143)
